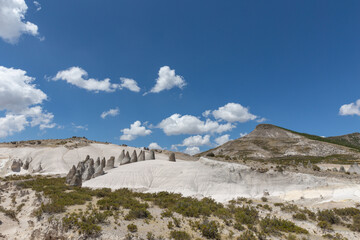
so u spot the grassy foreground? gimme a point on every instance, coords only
(239, 219)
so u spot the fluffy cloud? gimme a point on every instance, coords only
(12, 24)
(17, 91)
(222, 139)
(167, 80)
(20, 100)
(39, 118)
(130, 84)
(233, 112)
(76, 76)
(243, 134)
(350, 109)
(154, 145)
(195, 141)
(192, 150)
(11, 124)
(134, 131)
(187, 124)
(112, 112)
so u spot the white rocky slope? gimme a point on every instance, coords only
(223, 181)
(59, 159)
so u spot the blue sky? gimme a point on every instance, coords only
(294, 63)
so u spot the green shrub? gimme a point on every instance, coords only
(299, 216)
(328, 216)
(179, 235)
(150, 236)
(136, 213)
(275, 225)
(324, 225)
(209, 229)
(247, 235)
(356, 223)
(132, 228)
(166, 213)
(9, 213)
(264, 199)
(170, 225)
(246, 215)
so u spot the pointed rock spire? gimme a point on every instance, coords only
(97, 163)
(110, 163)
(76, 180)
(172, 157)
(71, 174)
(103, 162)
(133, 157)
(126, 159)
(141, 156)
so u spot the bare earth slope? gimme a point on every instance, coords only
(269, 142)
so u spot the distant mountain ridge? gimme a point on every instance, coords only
(268, 141)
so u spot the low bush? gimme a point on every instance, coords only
(247, 235)
(209, 229)
(179, 235)
(275, 225)
(299, 216)
(132, 228)
(328, 216)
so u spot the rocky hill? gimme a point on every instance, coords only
(351, 140)
(272, 142)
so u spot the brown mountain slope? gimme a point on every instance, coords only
(352, 139)
(272, 142)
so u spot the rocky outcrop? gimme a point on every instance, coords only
(27, 163)
(38, 169)
(172, 157)
(98, 171)
(133, 157)
(71, 174)
(103, 163)
(120, 158)
(141, 156)
(16, 165)
(126, 159)
(150, 155)
(354, 169)
(89, 169)
(76, 180)
(110, 163)
(97, 163)
(342, 169)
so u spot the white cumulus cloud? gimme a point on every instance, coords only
(350, 109)
(187, 124)
(222, 139)
(154, 145)
(167, 80)
(134, 131)
(130, 84)
(12, 21)
(233, 112)
(243, 134)
(77, 76)
(21, 99)
(17, 91)
(196, 141)
(112, 112)
(192, 150)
